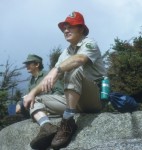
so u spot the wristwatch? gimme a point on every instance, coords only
(59, 70)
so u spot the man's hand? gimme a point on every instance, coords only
(49, 80)
(29, 100)
(18, 109)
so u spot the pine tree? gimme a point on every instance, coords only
(125, 66)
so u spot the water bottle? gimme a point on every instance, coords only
(105, 88)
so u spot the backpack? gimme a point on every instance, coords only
(123, 103)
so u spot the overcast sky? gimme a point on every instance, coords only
(30, 26)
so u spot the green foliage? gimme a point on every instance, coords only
(3, 105)
(125, 66)
(3, 94)
(54, 56)
(8, 83)
(17, 96)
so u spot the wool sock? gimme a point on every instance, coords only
(43, 120)
(68, 113)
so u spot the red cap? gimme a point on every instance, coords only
(74, 19)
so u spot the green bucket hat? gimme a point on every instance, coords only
(34, 58)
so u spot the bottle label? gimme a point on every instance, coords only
(104, 93)
(104, 84)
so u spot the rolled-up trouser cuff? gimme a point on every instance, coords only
(37, 106)
(51, 104)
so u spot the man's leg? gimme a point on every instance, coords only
(73, 88)
(81, 94)
(68, 126)
(55, 104)
(38, 113)
(90, 98)
(46, 133)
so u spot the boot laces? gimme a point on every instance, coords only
(65, 128)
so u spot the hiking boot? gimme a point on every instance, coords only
(44, 137)
(64, 133)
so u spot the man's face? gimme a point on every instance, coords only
(32, 67)
(72, 33)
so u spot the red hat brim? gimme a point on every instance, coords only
(61, 25)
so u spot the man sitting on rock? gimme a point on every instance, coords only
(34, 66)
(82, 66)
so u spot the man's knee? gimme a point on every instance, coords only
(37, 107)
(75, 74)
(73, 80)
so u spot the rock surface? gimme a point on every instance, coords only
(104, 131)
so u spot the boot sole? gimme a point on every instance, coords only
(43, 143)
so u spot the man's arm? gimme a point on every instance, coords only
(49, 80)
(67, 65)
(29, 99)
(73, 62)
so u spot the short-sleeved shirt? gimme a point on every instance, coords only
(34, 81)
(93, 69)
